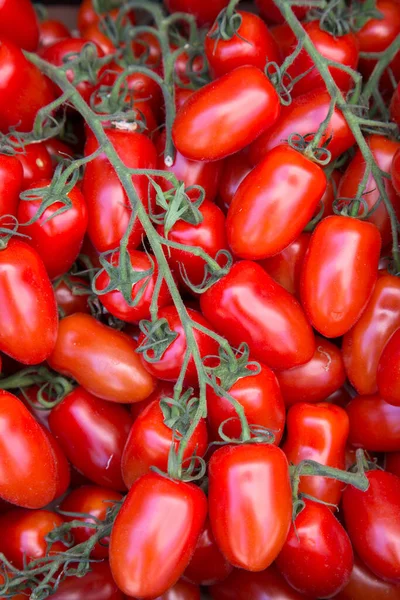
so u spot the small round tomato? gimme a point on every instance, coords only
(11, 180)
(339, 273)
(388, 376)
(68, 297)
(207, 126)
(374, 424)
(97, 584)
(36, 163)
(364, 585)
(208, 565)
(52, 31)
(372, 520)
(204, 12)
(270, 12)
(395, 171)
(160, 519)
(285, 267)
(19, 24)
(234, 170)
(249, 519)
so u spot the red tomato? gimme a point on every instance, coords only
(92, 433)
(270, 12)
(363, 585)
(318, 432)
(29, 396)
(261, 399)
(146, 46)
(181, 95)
(285, 267)
(395, 171)
(98, 584)
(207, 126)
(234, 170)
(317, 557)
(374, 424)
(363, 344)
(52, 31)
(164, 389)
(150, 440)
(330, 194)
(182, 590)
(392, 463)
(208, 565)
(160, 519)
(304, 115)
(94, 33)
(36, 163)
(248, 306)
(69, 301)
(101, 359)
(249, 520)
(316, 380)
(373, 523)
(186, 65)
(339, 273)
(108, 205)
(263, 218)
(204, 12)
(18, 23)
(11, 179)
(284, 37)
(91, 500)
(170, 363)
(252, 44)
(388, 376)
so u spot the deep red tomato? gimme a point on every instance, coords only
(94, 33)
(29, 397)
(208, 565)
(330, 194)
(261, 400)
(18, 23)
(36, 163)
(11, 180)
(62, 468)
(339, 273)
(160, 519)
(106, 199)
(317, 557)
(374, 424)
(364, 585)
(182, 590)
(249, 520)
(373, 523)
(284, 37)
(304, 115)
(395, 105)
(363, 344)
(207, 126)
(248, 306)
(68, 298)
(234, 170)
(270, 12)
(252, 44)
(92, 433)
(392, 463)
(58, 150)
(285, 267)
(181, 95)
(28, 316)
(395, 171)
(150, 440)
(170, 363)
(52, 31)
(101, 359)
(388, 376)
(205, 12)
(318, 432)
(91, 500)
(146, 46)
(164, 389)
(315, 380)
(263, 218)
(98, 584)
(185, 65)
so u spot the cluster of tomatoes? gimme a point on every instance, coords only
(200, 301)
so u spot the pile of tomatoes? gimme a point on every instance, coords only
(200, 301)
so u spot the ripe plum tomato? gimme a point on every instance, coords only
(318, 432)
(19, 24)
(97, 584)
(395, 171)
(91, 500)
(204, 12)
(249, 519)
(36, 163)
(285, 267)
(52, 31)
(207, 126)
(374, 424)
(234, 170)
(388, 376)
(248, 306)
(160, 519)
(315, 380)
(208, 565)
(107, 202)
(150, 439)
(182, 590)
(68, 298)
(339, 273)
(364, 585)
(372, 520)
(317, 557)
(101, 359)
(11, 179)
(274, 203)
(252, 44)
(92, 433)
(164, 389)
(28, 315)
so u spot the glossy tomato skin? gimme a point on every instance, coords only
(204, 12)
(285, 267)
(11, 179)
(98, 584)
(52, 31)
(164, 389)
(101, 359)
(106, 200)
(67, 298)
(249, 520)
(318, 432)
(388, 376)
(315, 380)
(36, 163)
(270, 12)
(372, 519)
(234, 170)
(260, 396)
(304, 116)
(336, 280)
(363, 344)
(149, 443)
(395, 171)
(92, 433)
(182, 590)
(141, 527)
(263, 219)
(317, 557)
(252, 44)
(374, 424)
(248, 306)
(19, 24)
(207, 127)
(364, 585)
(208, 565)
(28, 319)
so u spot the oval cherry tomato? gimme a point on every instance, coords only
(339, 273)
(36, 163)
(388, 376)
(92, 433)
(208, 565)
(207, 126)
(364, 585)
(248, 306)
(68, 297)
(52, 31)
(11, 179)
(285, 267)
(249, 520)
(270, 12)
(234, 170)
(395, 171)
(98, 584)
(160, 519)
(18, 23)
(263, 218)
(374, 424)
(373, 523)
(318, 432)
(317, 557)
(204, 12)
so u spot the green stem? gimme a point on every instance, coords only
(384, 60)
